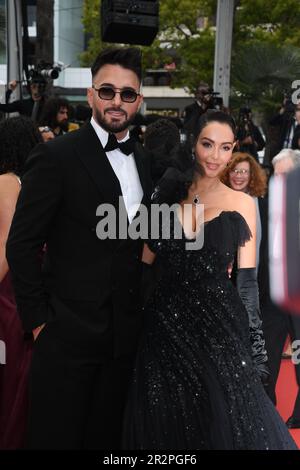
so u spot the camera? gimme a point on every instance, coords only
(216, 102)
(44, 71)
(213, 101)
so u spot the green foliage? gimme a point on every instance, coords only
(281, 14)
(266, 43)
(198, 63)
(182, 40)
(261, 71)
(266, 52)
(91, 23)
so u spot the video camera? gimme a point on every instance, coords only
(209, 98)
(44, 71)
(216, 102)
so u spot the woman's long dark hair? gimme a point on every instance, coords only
(213, 115)
(182, 167)
(18, 136)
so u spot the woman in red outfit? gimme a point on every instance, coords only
(17, 138)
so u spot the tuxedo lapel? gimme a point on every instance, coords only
(93, 157)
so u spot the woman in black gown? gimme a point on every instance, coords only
(197, 383)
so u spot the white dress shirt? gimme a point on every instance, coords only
(125, 169)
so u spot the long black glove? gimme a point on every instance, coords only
(248, 290)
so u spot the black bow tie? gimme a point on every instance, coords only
(125, 147)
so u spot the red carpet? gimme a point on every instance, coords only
(286, 392)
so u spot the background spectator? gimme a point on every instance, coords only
(56, 115)
(18, 136)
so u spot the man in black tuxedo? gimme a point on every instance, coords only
(82, 302)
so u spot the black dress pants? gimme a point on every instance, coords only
(76, 398)
(277, 324)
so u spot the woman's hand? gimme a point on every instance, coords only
(37, 331)
(148, 256)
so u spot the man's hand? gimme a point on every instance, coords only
(46, 133)
(248, 140)
(37, 331)
(12, 85)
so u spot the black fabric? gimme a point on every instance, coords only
(76, 401)
(192, 114)
(296, 138)
(86, 289)
(248, 291)
(258, 142)
(277, 325)
(24, 107)
(35, 110)
(281, 126)
(64, 183)
(263, 267)
(194, 384)
(126, 147)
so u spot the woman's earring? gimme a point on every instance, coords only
(193, 156)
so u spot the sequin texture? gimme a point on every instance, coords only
(194, 384)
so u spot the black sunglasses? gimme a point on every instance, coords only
(108, 93)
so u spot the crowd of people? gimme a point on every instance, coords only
(52, 115)
(131, 342)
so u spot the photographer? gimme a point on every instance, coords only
(250, 139)
(32, 106)
(204, 99)
(284, 125)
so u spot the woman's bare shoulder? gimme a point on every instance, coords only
(238, 200)
(9, 184)
(9, 178)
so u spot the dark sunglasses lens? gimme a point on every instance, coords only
(106, 93)
(129, 96)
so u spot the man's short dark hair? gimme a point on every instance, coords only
(128, 58)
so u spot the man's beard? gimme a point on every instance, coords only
(64, 125)
(113, 127)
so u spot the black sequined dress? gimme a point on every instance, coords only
(194, 384)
